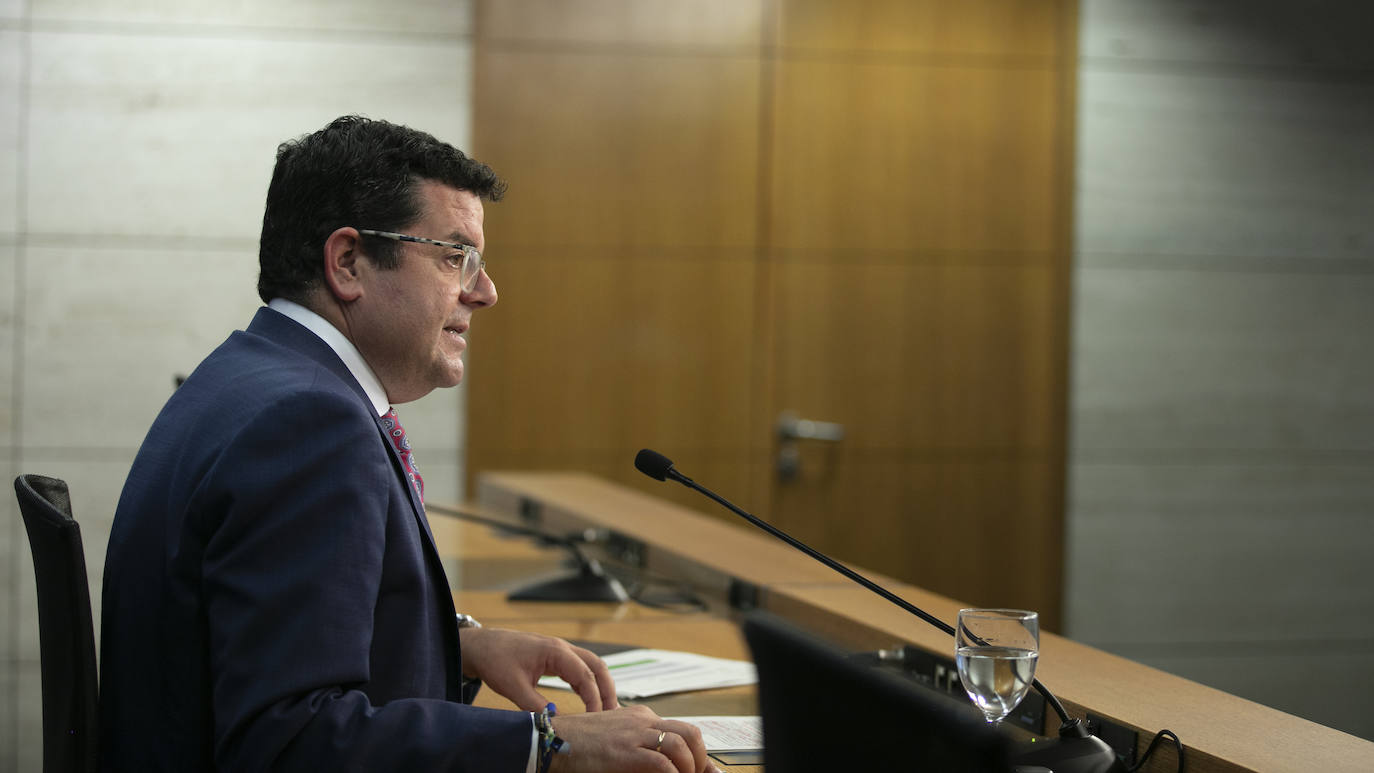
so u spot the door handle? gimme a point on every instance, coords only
(792, 428)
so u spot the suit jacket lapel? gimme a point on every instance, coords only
(283, 330)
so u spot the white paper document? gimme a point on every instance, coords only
(728, 734)
(644, 673)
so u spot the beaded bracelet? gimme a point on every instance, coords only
(549, 742)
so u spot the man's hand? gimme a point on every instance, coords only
(627, 741)
(511, 662)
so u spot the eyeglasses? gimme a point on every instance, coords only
(470, 264)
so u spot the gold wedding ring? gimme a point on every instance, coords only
(661, 735)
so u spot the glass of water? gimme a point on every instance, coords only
(996, 650)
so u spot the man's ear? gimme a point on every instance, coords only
(342, 255)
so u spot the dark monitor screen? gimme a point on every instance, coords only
(823, 712)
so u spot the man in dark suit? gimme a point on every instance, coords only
(273, 599)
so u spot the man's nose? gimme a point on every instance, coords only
(483, 293)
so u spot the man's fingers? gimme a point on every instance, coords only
(571, 669)
(604, 682)
(678, 753)
(689, 736)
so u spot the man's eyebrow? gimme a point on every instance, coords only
(460, 237)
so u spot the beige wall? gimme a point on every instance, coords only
(1221, 517)
(136, 143)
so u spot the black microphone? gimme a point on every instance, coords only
(659, 467)
(1076, 751)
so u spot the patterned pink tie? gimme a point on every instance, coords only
(397, 433)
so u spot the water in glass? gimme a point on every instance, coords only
(996, 651)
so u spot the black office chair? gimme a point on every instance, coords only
(65, 631)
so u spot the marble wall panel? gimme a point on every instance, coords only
(1220, 498)
(140, 135)
(443, 478)
(9, 338)
(9, 717)
(426, 18)
(13, 552)
(1179, 360)
(108, 329)
(1205, 32)
(434, 422)
(1220, 171)
(12, 51)
(1216, 552)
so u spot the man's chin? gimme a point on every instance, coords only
(452, 376)
(444, 379)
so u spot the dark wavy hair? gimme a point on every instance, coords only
(354, 172)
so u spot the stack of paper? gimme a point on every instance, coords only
(724, 735)
(643, 673)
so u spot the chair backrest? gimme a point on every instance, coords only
(65, 630)
(823, 711)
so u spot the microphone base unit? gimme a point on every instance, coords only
(1067, 754)
(590, 584)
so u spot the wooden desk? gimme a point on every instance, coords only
(1223, 733)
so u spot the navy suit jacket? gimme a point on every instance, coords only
(273, 599)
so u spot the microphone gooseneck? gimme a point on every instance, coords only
(660, 467)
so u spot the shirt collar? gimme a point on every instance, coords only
(334, 339)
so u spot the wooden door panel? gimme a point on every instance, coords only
(911, 356)
(588, 352)
(884, 156)
(994, 28)
(624, 23)
(615, 149)
(919, 261)
(973, 527)
(944, 378)
(624, 253)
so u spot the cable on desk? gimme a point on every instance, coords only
(1155, 742)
